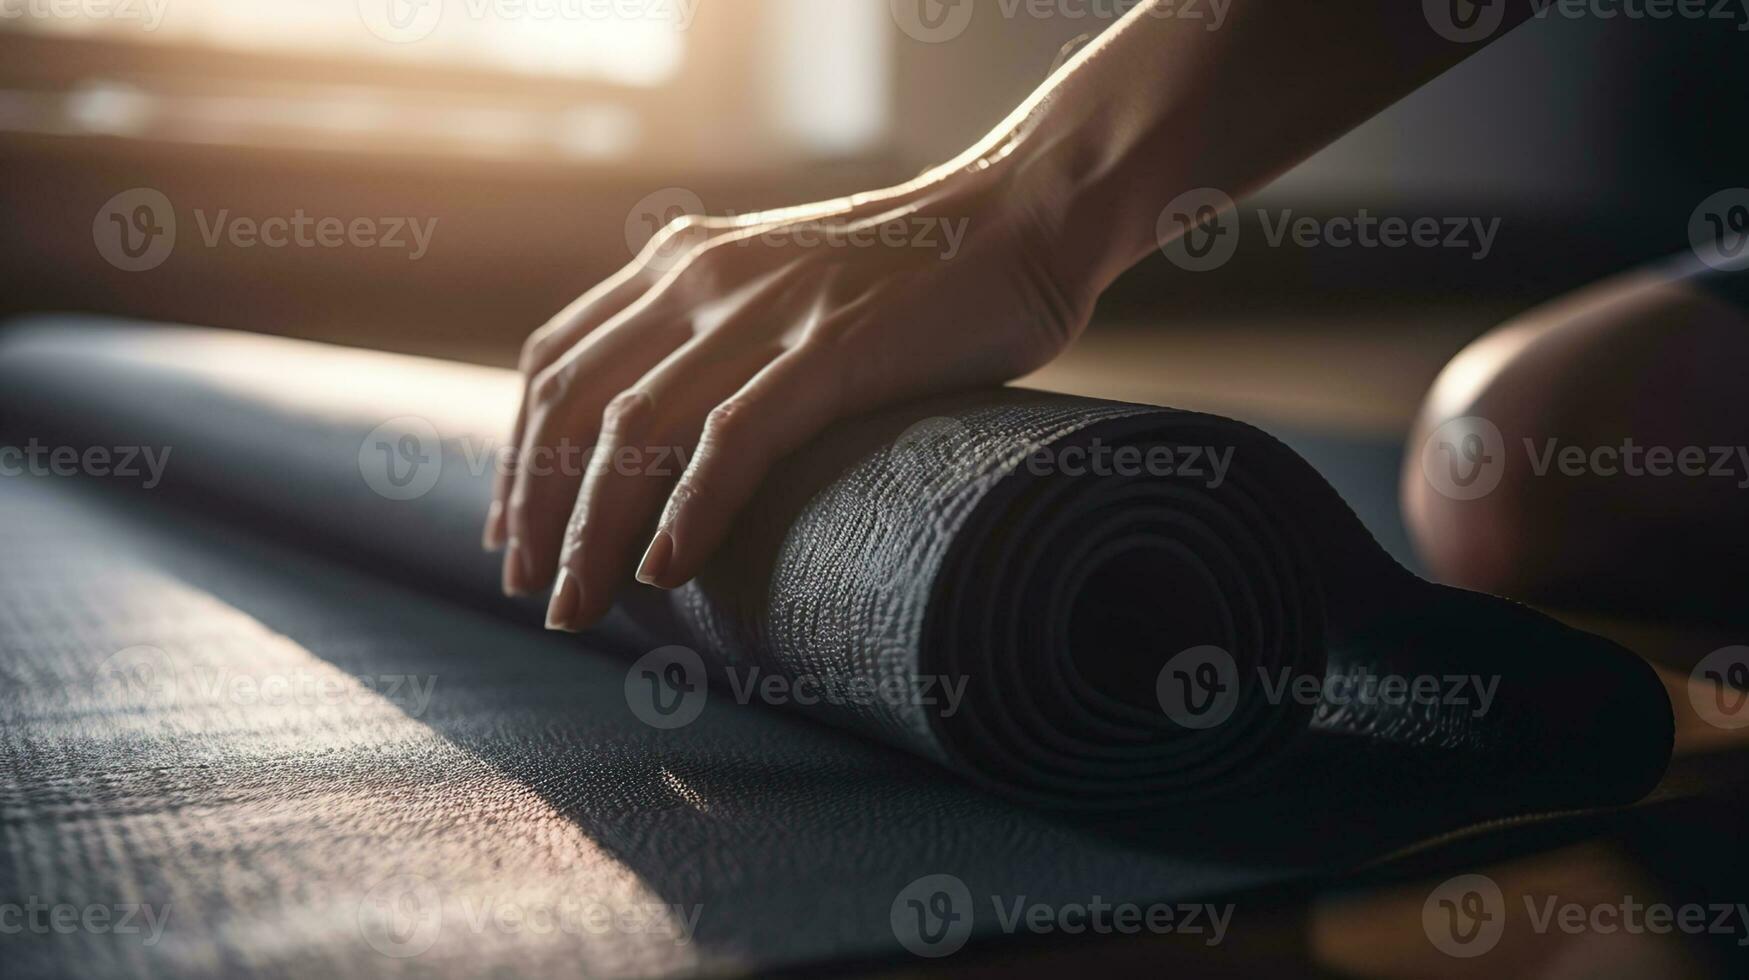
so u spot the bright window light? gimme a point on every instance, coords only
(635, 44)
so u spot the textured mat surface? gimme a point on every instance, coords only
(903, 546)
(302, 770)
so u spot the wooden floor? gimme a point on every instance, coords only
(1311, 373)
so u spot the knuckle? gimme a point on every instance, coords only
(533, 356)
(688, 493)
(722, 263)
(680, 234)
(627, 412)
(832, 332)
(683, 225)
(725, 425)
(549, 386)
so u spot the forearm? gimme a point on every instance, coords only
(1159, 105)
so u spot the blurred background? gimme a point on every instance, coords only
(547, 138)
(542, 141)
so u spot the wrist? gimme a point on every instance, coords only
(1095, 217)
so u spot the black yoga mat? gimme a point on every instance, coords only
(1142, 608)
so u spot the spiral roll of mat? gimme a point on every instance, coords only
(1083, 604)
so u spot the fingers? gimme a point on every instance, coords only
(783, 406)
(565, 411)
(544, 348)
(647, 435)
(577, 321)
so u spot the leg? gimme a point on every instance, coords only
(1595, 451)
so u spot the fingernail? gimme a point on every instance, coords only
(567, 598)
(492, 538)
(655, 563)
(515, 570)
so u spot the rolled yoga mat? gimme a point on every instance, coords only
(1143, 607)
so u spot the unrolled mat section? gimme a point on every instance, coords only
(1078, 603)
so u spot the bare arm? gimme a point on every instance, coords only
(730, 342)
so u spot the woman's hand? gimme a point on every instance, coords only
(729, 343)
